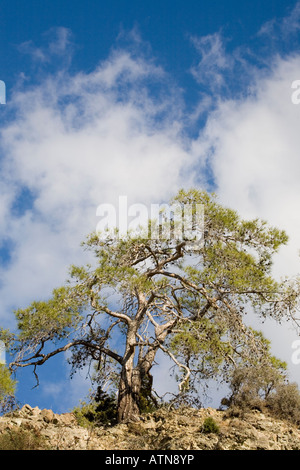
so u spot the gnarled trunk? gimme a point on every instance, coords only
(130, 380)
(129, 394)
(133, 378)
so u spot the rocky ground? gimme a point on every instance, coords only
(161, 430)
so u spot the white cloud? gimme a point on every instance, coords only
(79, 141)
(280, 29)
(291, 23)
(252, 145)
(213, 60)
(59, 43)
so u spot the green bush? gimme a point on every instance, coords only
(101, 410)
(251, 384)
(285, 403)
(210, 426)
(264, 387)
(21, 439)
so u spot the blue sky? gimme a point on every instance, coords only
(139, 98)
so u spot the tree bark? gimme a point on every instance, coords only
(129, 394)
(130, 380)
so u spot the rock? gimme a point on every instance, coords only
(149, 424)
(47, 415)
(35, 411)
(67, 419)
(161, 430)
(16, 421)
(26, 409)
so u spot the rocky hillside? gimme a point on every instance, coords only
(161, 430)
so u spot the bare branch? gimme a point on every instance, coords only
(104, 308)
(180, 365)
(39, 359)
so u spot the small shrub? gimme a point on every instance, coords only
(210, 426)
(102, 410)
(251, 384)
(285, 403)
(21, 439)
(146, 406)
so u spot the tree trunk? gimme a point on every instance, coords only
(130, 380)
(129, 394)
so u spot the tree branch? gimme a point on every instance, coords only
(39, 359)
(180, 365)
